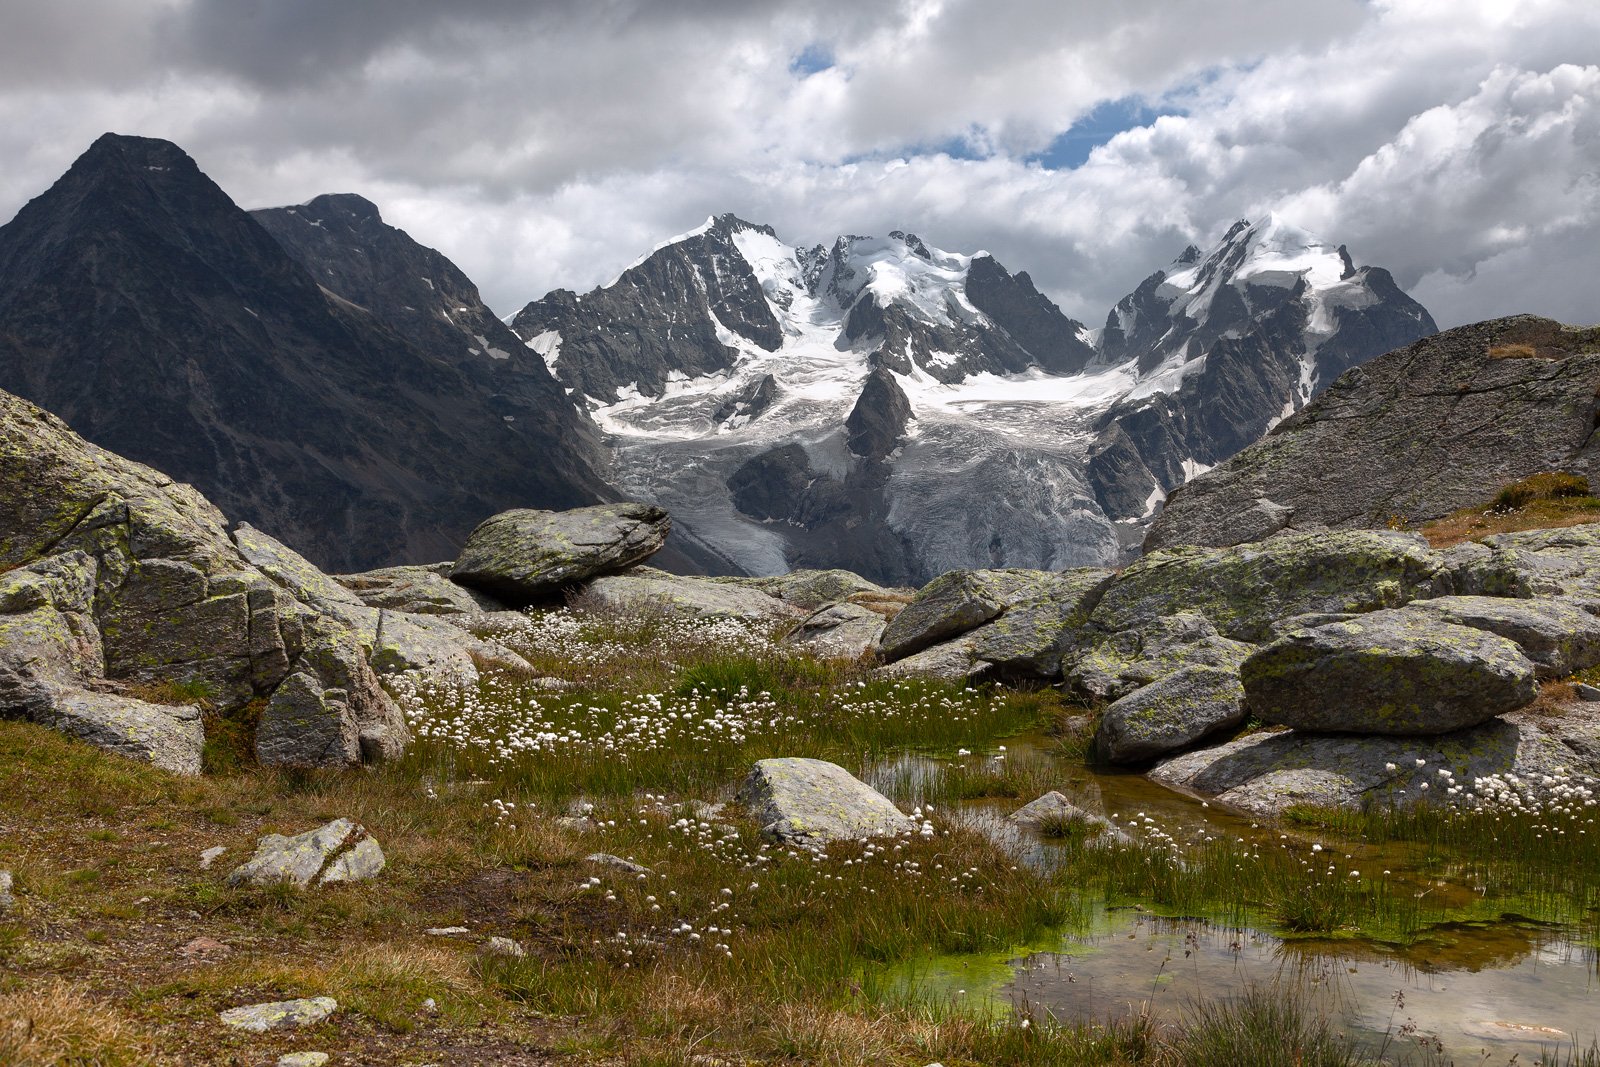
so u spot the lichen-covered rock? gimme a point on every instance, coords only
(1559, 636)
(1387, 672)
(417, 590)
(1170, 714)
(950, 661)
(339, 851)
(332, 712)
(647, 589)
(838, 631)
(170, 737)
(961, 601)
(1245, 588)
(812, 802)
(116, 574)
(1031, 637)
(524, 556)
(279, 1015)
(1266, 773)
(1115, 664)
(811, 588)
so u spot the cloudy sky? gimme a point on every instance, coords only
(542, 143)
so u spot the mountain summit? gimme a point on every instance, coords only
(161, 321)
(850, 404)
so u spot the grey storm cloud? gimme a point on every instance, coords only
(544, 144)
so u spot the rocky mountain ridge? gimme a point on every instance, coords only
(330, 405)
(1413, 435)
(844, 405)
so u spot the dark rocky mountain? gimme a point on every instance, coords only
(883, 405)
(1438, 425)
(321, 395)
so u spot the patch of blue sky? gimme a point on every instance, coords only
(1071, 148)
(812, 58)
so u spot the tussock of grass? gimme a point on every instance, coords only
(59, 1024)
(1549, 500)
(1263, 1028)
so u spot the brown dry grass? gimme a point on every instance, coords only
(57, 1023)
(1520, 352)
(1549, 500)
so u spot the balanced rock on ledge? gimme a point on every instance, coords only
(523, 556)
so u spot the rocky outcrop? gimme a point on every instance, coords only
(813, 803)
(1438, 425)
(523, 556)
(122, 587)
(1402, 672)
(1559, 636)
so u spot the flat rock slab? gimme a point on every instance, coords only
(302, 1059)
(418, 590)
(1267, 773)
(1387, 672)
(812, 802)
(951, 661)
(170, 737)
(648, 589)
(523, 556)
(280, 1014)
(812, 589)
(1170, 714)
(340, 851)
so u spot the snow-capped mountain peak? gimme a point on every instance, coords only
(844, 404)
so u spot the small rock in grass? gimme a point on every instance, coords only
(606, 859)
(446, 931)
(812, 802)
(1587, 692)
(202, 947)
(302, 1059)
(503, 946)
(341, 851)
(211, 855)
(280, 1014)
(7, 901)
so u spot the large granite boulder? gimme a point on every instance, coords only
(812, 803)
(524, 556)
(1245, 588)
(648, 589)
(961, 601)
(1387, 672)
(1170, 714)
(1267, 773)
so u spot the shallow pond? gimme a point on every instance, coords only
(1489, 989)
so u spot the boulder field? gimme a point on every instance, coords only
(132, 615)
